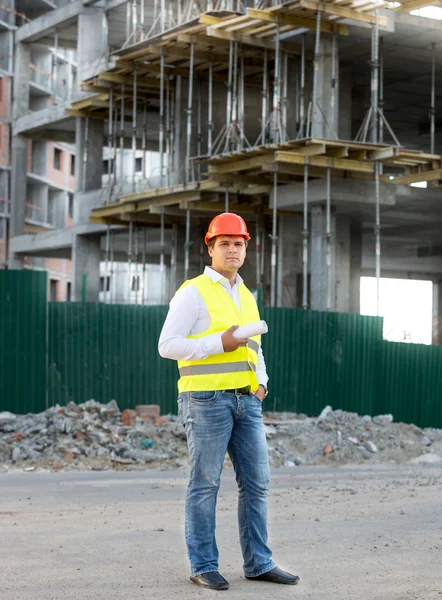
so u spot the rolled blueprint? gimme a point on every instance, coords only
(246, 331)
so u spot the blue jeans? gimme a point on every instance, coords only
(216, 422)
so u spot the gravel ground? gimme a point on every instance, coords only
(368, 531)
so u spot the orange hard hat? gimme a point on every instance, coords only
(227, 224)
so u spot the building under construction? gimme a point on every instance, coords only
(314, 120)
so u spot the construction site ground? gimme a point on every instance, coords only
(359, 532)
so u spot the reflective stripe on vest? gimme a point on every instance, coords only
(253, 345)
(233, 367)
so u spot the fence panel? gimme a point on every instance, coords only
(410, 383)
(109, 352)
(23, 341)
(318, 358)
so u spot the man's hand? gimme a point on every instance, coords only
(230, 343)
(260, 393)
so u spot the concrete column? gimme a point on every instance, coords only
(92, 42)
(86, 256)
(18, 193)
(342, 265)
(325, 115)
(317, 259)
(437, 312)
(289, 261)
(19, 148)
(345, 104)
(89, 139)
(22, 77)
(355, 266)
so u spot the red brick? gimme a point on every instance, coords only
(18, 436)
(152, 410)
(129, 417)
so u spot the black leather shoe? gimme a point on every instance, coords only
(276, 575)
(212, 580)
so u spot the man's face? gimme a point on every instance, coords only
(228, 253)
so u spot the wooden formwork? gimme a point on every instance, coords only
(211, 34)
(248, 175)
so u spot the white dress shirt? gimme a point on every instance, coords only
(188, 315)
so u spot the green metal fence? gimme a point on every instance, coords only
(317, 358)
(77, 351)
(23, 341)
(109, 352)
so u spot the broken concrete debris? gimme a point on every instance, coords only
(99, 436)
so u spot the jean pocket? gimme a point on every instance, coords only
(204, 398)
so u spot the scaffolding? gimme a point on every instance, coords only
(184, 55)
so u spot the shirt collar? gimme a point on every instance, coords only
(217, 277)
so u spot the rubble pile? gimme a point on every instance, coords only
(91, 435)
(98, 436)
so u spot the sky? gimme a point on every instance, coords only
(405, 304)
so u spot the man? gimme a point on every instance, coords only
(222, 385)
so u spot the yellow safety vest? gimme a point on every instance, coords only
(229, 370)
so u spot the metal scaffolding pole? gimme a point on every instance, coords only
(129, 255)
(137, 276)
(134, 20)
(161, 123)
(328, 240)
(276, 116)
(226, 198)
(258, 254)
(163, 15)
(381, 90)
(232, 132)
(302, 91)
(198, 129)
(285, 99)
(106, 264)
(144, 139)
(187, 246)
(162, 270)
(264, 100)
(333, 84)
(112, 283)
(305, 240)
(142, 18)
(229, 90)
(241, 110)
(173, 126)
(189, 113)
(433, 98)
(209, 111)
(110, 134)
(122, 138)
(173, 258)
(315, 74)
(167, 131)
(375, 79)
(134, 131)
(128, 20)
(114, 153)
(143, 292)
(274, 240)
(188, 168)
(378, 237)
